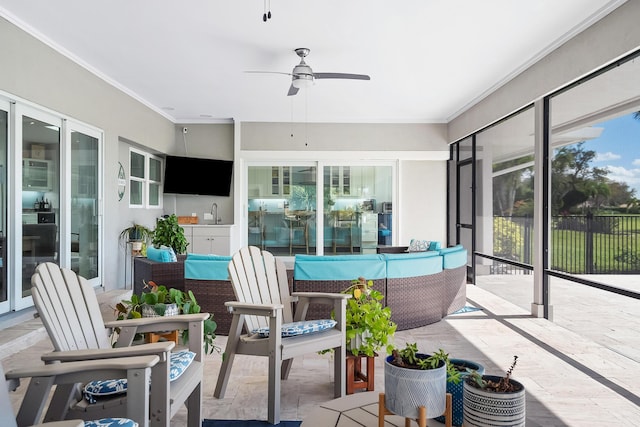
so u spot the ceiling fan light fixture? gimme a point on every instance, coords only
(302, 81)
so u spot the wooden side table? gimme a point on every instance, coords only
(357, 379)
(151, 337)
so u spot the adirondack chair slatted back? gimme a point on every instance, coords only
(68, 308)
(258, 277)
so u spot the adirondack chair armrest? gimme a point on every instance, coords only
(337, 300)
(66, 423)
(91, 367)
(149, 324)
(267, 310)
(160, 349)
(326, 295)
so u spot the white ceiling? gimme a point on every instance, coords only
(429, 60)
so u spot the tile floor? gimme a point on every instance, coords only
(570, 380)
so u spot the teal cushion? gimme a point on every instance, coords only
(434, 245)
(111, 422)
(339, 267)
(206, 267)
(209, 257)
(158, 254)
(299, 328)
(172, 254)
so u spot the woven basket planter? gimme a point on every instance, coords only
(484, 408)
(405, 390)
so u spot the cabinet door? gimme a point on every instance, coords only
(210, 240)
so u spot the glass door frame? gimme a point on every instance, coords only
(6, 306)
(15, 221)
(70, 126)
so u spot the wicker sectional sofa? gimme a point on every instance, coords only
(419, 287)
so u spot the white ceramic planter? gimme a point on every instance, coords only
(487, 408)
(170, 310)
(405, 390)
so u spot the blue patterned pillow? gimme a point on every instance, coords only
(179, 362)
(102, 388)
(111, 422)
(299, 328)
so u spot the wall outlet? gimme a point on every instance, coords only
(208, 216)
(194, 214)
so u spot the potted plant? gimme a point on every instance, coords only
(456, 389)
(169, 233)
(160, 301)
(368, 324)
(491, 400)
(137, 234)
(415, 379)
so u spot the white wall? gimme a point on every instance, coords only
(422, 201)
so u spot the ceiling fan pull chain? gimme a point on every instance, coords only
(264, 15)
(269, 13)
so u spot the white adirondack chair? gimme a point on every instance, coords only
(71, 314)
(137, 370)
(263, 300)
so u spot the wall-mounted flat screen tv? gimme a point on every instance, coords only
(191, 175)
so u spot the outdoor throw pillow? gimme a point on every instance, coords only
(111, 422)
(299, 328)
(416, 245)
(179, 362)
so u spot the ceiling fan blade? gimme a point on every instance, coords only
(292, 90)
(268, 72)
(341, 76)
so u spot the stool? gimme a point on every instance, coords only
(151, 337)
(422, 413)
(358, 379)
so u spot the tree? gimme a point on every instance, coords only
(574, 181)
(509, 186)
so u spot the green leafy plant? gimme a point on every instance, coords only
(169, 233)
(136, 233)
(409, 358)
(501, 386)
(366, 317)
(158, 297)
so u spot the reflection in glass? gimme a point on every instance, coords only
(40, 196)
(283, 208)
(3, 205)
(84, 205)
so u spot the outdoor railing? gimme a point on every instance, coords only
(580, 244)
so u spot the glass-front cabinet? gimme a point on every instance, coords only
(293, 207)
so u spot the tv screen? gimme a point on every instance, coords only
(190, 175)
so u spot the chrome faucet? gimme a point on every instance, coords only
(214, 212)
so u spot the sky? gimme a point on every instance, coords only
(618, 150)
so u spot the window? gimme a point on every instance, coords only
(145, 179)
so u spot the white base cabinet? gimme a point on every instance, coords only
(208, 239)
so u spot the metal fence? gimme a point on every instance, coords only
(580, 244)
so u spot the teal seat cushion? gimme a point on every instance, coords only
(413, 264)
(206, 267)
(453, 257)
(299, 328)
(111, 422)
(339, 267)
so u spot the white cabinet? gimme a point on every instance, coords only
(208, 239)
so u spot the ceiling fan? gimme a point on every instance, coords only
(303, 76)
